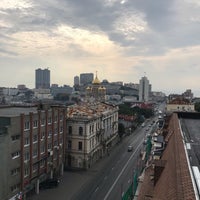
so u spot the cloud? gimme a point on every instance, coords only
(122, 39)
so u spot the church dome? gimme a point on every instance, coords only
(96, 81)
(88, 88)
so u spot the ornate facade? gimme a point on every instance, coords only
(96, 92)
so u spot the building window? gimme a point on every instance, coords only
(27, 125)
(69, 144)
(61, 140)
(26, 141)
(61, 129)
(56, 118)
(49, 133)
(79, 146)
(35, 124)
(55, 143)
(80, 131)
(42, 121)
(70, 130)
(15, 187)
(15, 137)
(35, 153)
(26, 156)
(15, 155)
(35, 167)
(35, 138)
(42, 149)
(49, 120)
(49, 146)
(42, 136)
(42, 162)
(26, 172)
(56, 131)
(15, 171)
(61, 117)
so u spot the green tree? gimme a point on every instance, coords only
(197, 106)
(121, 130)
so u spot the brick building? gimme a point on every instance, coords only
(31, 147)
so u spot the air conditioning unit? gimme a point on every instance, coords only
(50, 152)
(57, 147)
(25, 161)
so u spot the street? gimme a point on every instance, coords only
(108, 179)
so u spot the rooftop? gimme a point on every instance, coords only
(170, 177)
(89, 110)
(15, 111)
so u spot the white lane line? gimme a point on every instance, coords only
(113, 185)
(112, 168)
(105, 177)
(96, 189)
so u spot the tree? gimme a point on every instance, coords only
(197, 106)
(121, 130)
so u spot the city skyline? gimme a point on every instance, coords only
(121, 39)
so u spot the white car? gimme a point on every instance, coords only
(130, 148)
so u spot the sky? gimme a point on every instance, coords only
(122, 40)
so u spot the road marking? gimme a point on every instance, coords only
(113, 185)
(105, 177)
(112, 168)
(96, 189)
(129, 180)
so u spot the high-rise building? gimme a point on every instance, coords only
(86, 78)
(144, 89)
(76, 80)
(42, 78)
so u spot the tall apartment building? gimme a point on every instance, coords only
(76, 81)
(32, 148)
(86, 78)
(42, 78)
(144, 89)
(92, 129)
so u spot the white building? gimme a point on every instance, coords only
(180, 104)
(92, 129)
(42, 93)
(144, 89)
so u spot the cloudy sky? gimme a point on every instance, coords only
(121, 39)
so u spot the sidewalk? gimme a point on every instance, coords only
(71, 182)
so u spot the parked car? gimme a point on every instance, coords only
(130, 148)
(49, 183)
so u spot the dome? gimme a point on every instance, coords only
(96, 81)
(88, 88)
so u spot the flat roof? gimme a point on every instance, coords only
(16, 111)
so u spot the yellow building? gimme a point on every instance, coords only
(96, 92)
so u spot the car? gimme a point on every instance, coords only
(130, 148)
(143, 125)
(49, 183)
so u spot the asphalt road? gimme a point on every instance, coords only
(108, 179)
(116, 175)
